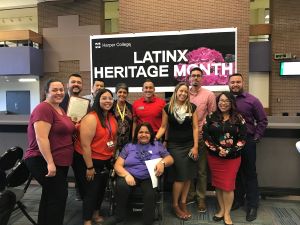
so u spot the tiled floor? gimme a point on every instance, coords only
(272, 211)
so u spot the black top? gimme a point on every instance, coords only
(124, 127)
(180, 132)
(230, 136)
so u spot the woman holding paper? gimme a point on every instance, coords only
(180, 117)
(93, 153)
(132, 170)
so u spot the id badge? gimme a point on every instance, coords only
(110, 144)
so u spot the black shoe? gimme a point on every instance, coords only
(217, 218)
(251, 214)
(236, 205)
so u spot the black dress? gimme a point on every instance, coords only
(180, 142)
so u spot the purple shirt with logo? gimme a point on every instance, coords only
(254, 114)
(135, 156)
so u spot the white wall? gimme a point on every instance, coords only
(259, 86)
(33, 87)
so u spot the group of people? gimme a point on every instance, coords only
(194, 128)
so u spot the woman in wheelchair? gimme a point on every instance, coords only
(131, 170)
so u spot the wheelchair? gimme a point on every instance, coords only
(135, 200)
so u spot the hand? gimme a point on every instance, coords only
(195, 153)
(51, 170)
(159, 169)
(130, 180)
(222, 152)
(90, 174)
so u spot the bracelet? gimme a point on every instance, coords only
(90, 168)
(126, 175)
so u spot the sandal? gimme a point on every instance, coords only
(179, 214)
(182, 206)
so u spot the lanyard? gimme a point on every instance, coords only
(109, 128)
(122, 115)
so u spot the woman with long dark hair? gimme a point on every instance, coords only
(93, 153)
(224, 133)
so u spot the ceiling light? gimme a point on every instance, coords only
(27, 80)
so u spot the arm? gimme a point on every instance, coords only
(240, 140)
(133, 126)
(195, 135)
(260, 119)
(163, 126)
(165, 162)
(209, 142)
(211, 105)
(87, 133)
(122, 172)
(42, 130)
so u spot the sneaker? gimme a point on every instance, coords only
(201, 206)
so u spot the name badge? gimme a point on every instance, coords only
(110, 144)
(141, 108)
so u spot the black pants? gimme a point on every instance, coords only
(91, 191)
(54, 191)
(7, 204)
(123, 191)
(246, 183)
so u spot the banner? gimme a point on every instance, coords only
(164, 57)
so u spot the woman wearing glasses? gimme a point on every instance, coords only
(224, 133)
(94, 150)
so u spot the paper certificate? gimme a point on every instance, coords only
(151, 166)
(77, 108)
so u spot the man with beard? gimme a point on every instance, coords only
(205, 101)
(148, 108)
(256, 121)
(97, 85)
(74, 87)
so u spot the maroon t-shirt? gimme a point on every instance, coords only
(60, 135)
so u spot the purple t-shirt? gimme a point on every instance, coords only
(254, 114)
(60, 135)
(135, 156)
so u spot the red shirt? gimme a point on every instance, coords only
(150, 112)
(99, 147)
(60, 135)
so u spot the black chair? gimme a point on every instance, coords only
(135, 201)
(16, 174)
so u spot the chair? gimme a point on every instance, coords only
(16, 174)
(135, 201)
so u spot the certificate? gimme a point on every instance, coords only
(151, 168)
(77, 108)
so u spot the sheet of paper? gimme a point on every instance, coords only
(151, 166)
(77, 108)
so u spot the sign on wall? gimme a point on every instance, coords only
(164, 57)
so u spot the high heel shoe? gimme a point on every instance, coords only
(217, 218)
(183, 208)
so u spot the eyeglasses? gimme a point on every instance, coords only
(224, 101)
(196, 76)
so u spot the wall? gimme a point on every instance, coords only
(284, 91)
(88, 13)
(169, 15)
